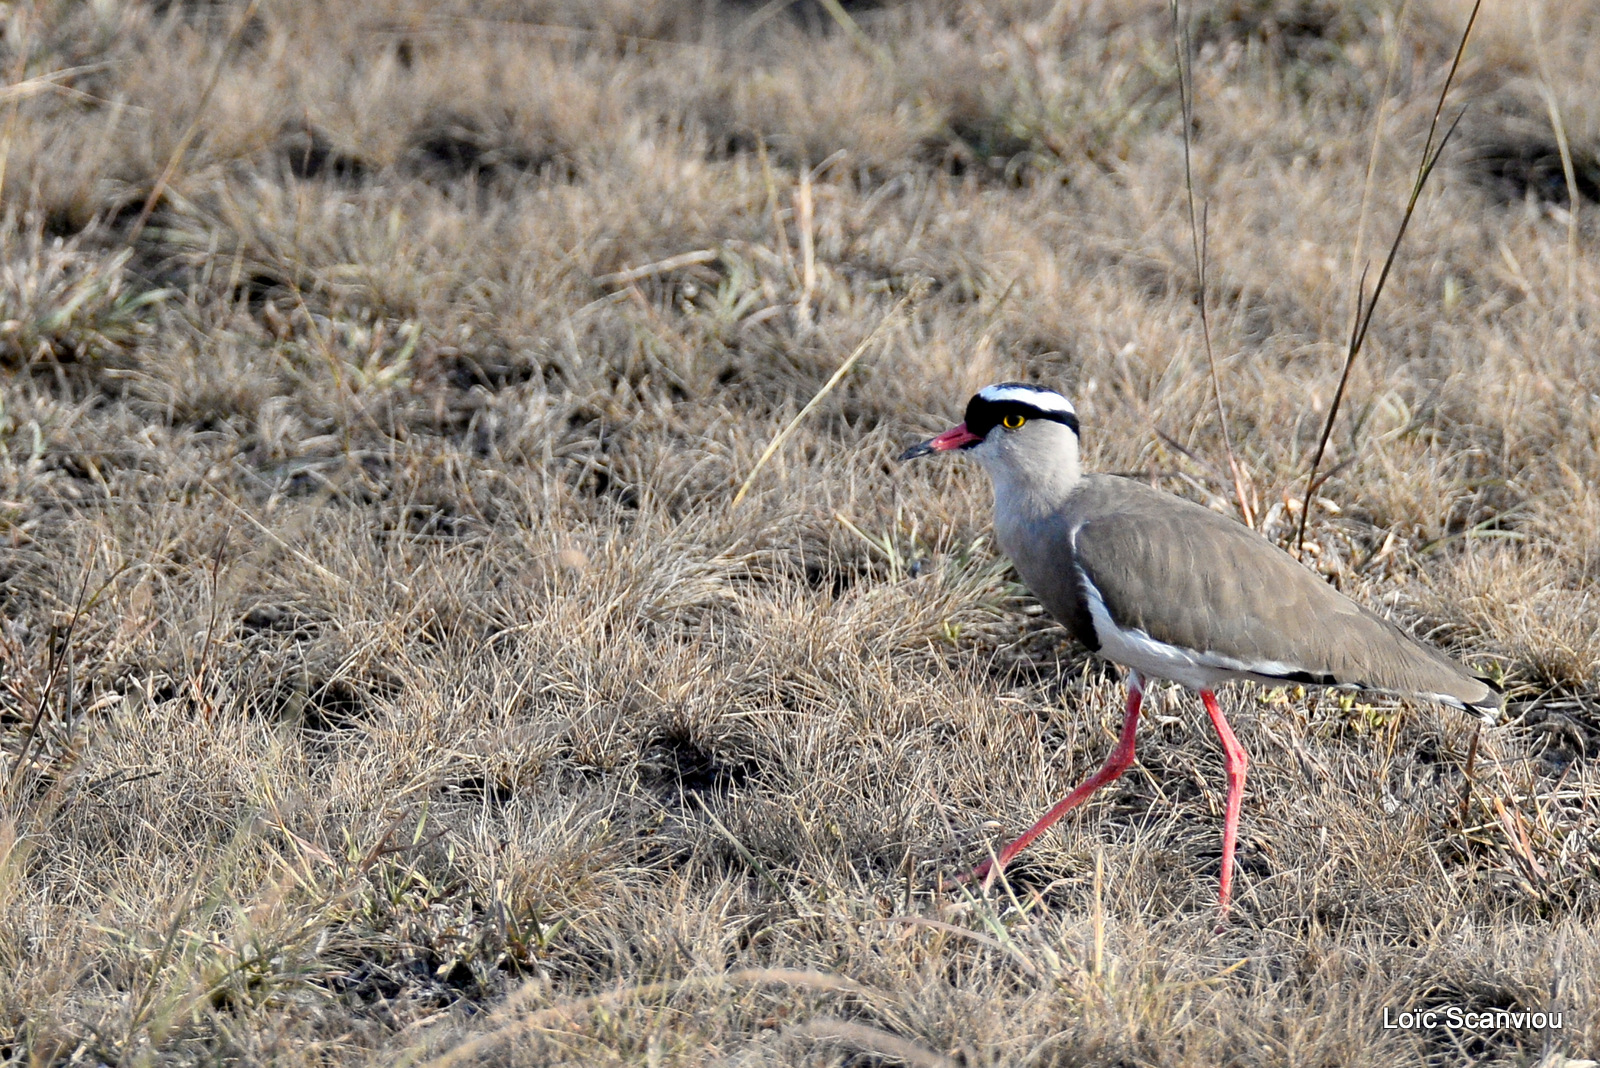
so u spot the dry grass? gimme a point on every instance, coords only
(386, 674)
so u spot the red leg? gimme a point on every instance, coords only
(1237, 762)
(1120, 760)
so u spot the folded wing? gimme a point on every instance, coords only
(1188, 577)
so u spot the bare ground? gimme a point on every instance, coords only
(386, 674)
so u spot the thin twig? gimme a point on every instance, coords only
(279, 542)
(53, 81)
(804, 220)
(1567, 170)
(1197, 237)
(844, 368)
(1355, 333)
(666, 266)
(60, 657)
(197, 680)
(1010, 949)
(873, 1042)
(17, 29)
(1430, 157)
(858, 36)
(182, 146)
(1466, 775)
(739, 847)
(1393, 37)
(779, 231)
(508, 1024)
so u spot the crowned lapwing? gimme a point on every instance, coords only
(1171, 590)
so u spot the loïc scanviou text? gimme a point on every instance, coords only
(1457, 1018)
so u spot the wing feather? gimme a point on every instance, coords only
(1192, 578)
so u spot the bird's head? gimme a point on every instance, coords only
(1026, 437)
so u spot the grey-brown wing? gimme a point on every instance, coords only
(1189, 577)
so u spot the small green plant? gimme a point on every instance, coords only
(60, 302)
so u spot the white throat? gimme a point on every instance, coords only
(1033, 469)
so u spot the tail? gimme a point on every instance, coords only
(1480, 695)
(1399, 663)
(1492, 705)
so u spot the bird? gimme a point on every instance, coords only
(1169, 589)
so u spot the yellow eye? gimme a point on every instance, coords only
(1012, 422)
